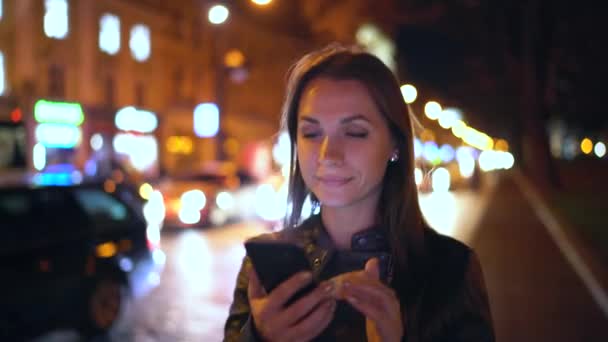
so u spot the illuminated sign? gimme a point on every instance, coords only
(136, 120)
(206, 120)
(58, 112)
(55, 135)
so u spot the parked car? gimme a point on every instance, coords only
(71, 256)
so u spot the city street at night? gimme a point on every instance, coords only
(143, 142)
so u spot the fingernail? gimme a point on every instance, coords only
(346, 284)
(328, 288)
(306, 276)
(352, 299)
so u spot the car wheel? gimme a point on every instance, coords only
(105, 303)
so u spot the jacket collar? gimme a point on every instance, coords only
(372, 239)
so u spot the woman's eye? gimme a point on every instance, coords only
(357, 134)
(310, 135)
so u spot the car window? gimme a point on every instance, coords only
(103, 210)
(38, 216)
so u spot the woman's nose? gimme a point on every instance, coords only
(330, 152)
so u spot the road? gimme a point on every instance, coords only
(535, 295)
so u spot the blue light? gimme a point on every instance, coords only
(60, 168)
(206, 120)
(57, 178)
(56, 135)
(446, 153)
(431, 152)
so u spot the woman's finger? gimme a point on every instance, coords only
(307, 304)
(254, 288)
(282, 293)
(376, 292)
(313, 324)
(372, 268)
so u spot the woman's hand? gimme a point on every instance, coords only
(303, 320)
(378, 302)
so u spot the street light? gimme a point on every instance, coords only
(218, 14)
(261, 2)
(409, 93)
(432, 110)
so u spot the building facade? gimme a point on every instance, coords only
(159, 57)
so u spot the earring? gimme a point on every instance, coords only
(394, 157)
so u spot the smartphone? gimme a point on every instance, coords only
(276, 261)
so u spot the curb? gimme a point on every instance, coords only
(579, 257)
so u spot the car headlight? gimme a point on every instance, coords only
(224, 200)
(193, 199)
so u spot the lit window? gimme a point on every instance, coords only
(109, 34)
(56, 18)
(1, 7)
(2, 74)
(140, 42)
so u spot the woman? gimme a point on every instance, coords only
(352, 153)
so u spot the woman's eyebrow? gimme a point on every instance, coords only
(309, 119)
(345, 120)
(354, 118)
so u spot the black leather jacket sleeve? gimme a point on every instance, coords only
(239, 325)
(473, 319)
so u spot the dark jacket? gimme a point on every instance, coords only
(452, 305)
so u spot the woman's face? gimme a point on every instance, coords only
(343, 143)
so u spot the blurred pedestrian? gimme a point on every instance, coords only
(352, 156)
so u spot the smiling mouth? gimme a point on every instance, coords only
(333, 181)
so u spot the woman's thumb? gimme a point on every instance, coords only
(372, 268)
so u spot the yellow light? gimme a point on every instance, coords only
(489, 142)
(179, 144)
(586, 146)
(432, 110)
(145, 190)
(459, 128)
(106, 250)
(172, 144)
(501, 145)
(187, 145)
(218, 14)
(261, 2)
(234, 59)
(409, 93)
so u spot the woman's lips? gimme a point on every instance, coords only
(333, 181)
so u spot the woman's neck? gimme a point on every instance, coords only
(342, 223)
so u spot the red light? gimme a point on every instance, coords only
(16, 115)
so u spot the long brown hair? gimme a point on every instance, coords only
(398, 207)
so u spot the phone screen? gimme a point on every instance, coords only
(275, 262)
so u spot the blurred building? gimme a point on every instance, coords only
(159, 57)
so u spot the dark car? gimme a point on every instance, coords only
(71, 257)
